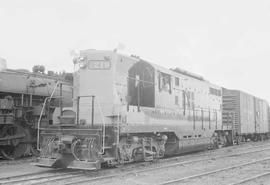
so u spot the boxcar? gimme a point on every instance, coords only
(245, 114)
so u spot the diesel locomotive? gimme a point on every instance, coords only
(127, 109)
(23, 95)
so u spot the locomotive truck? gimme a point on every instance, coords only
(22, 96)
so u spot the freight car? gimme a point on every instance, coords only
(22, 95)
(128, 109)
(246, 115)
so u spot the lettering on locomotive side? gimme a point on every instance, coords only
(174, 116)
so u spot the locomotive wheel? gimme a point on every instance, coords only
(14, 152)
(18, 147)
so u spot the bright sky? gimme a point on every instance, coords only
(227, 42)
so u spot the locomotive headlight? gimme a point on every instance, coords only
(83, 64)
(135, 139)
(81, 59)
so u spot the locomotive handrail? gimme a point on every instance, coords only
(132, 78)
(92, 118)
(41, 112)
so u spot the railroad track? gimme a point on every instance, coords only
(250, 179)
(77, 177)
(40, 177)
(217, 171)
(136, 172)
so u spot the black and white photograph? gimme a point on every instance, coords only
(134, 92)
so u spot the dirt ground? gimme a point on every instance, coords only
(221, 178)
(20, 167)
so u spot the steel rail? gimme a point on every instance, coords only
(199, 160)
(213, 171)
(40, 179)
(251, 178)
(49, 181)
(161, 167)
(96, 178)
(28, 174)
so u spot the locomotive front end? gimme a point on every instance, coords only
(85, 137)
(71, 147)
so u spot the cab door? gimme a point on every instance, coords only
(141, 84)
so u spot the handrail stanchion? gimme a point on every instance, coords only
(61, 99)
(103, 125)
(93, 111)
(78, 110)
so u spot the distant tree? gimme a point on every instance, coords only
(50, 73)
(42, 69)
(38, 69)
(35, 68)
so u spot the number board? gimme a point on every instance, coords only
(99, 64)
